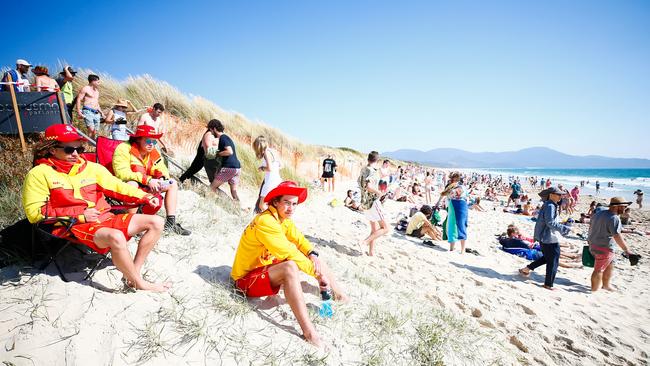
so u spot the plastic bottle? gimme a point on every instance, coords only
(325, 310)
(164, 183)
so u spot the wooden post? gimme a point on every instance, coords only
(17, 113)
(59, 97)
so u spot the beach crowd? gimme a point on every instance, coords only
(77, 193)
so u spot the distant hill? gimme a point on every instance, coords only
(534, 157)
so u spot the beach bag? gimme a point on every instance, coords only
(435, 218)
(588, 259)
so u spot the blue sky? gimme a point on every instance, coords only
(479, 76)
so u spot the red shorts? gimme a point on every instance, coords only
(257, 283)
(85, 233)
(603, 261)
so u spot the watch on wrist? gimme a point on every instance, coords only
(313, 252)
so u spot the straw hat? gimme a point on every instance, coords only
(618, 201)
(121, 103)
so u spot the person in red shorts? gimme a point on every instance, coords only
(64, 185)
(604, 234)
(272, 252)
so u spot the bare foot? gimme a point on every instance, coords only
(314, 340)
(550, 288)
(342, 298)
(609, 288)
(154, 287)
(524, 271)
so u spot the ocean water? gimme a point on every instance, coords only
(626, 181)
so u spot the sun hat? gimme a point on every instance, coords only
(619, 201)
(121, 103)
(146, 131)
(69, 69)
(22, 62)
(545, 193)
(62, 133)
(287, 188)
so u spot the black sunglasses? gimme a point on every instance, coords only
(71, 149)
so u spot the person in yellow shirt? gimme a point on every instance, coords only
(138, 163)
(272, 252)
(64, 185)
(419, 224)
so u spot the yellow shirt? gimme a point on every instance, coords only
(128, 166)
(416, 222)
(266, 240)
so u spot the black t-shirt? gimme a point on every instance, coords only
(230, 161)
(329, 166)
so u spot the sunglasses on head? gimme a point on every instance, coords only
(71, 149)
(151, 141)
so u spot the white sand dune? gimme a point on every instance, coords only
(411, 304)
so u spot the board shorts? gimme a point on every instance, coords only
(602, 261)
(230, 175)
(327, 175)
(85, 233)
(257, 283)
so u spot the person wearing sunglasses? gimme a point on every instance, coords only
(62, 184)
(139, 163)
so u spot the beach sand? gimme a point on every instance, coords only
(411, 304)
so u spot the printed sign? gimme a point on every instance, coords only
(38, 110)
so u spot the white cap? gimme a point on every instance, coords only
(20, 61)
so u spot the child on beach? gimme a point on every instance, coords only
(371, 202)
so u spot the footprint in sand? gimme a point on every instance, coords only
(527, 310)
(461, 306)
(477, 313)
(519, 344)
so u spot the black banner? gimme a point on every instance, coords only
(38, 110)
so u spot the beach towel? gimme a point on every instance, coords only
(456, 222)
(529, 254)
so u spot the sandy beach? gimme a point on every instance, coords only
(410, 304)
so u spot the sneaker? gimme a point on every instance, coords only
(176, 228)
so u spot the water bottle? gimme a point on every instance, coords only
(164, 183)
(325, 310)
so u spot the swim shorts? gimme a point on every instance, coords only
(257, 283)
(85, 233)
(603, 261)
(230, 175)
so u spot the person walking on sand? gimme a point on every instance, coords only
(639, 198)
(604, 234)
(271, 166)
(64, 185)
(272, 252)
(371, 202)
(88, 105)
(230, 166)
(457, 212)
(329, 172)
(546, 227)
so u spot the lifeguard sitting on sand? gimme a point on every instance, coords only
(272, 252)
(63, 185)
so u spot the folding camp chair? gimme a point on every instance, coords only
(43, 230)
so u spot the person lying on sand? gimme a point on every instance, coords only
(272, 252)
(64, 185)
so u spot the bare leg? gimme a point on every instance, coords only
(338, 292)
(462, 246)
(287, 274)
(596, 280)
(115, 240)
(171, 199)
(607, 277)
(370, 240)
(152, 225)
(233, 191)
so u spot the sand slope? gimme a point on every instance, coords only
(411, 304)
